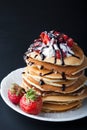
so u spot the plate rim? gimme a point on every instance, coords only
(15, 108)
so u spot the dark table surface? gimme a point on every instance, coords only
(20, 24)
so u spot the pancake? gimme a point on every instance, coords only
(69, 70)
(76, 93)
(46, 87)
(47, 107)
(66, 98)
(53, 82)
(27, 86)
(34, 70)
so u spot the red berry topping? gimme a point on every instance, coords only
(36, 44)
(58, 55)
(65, 37)
(38, 51)
(64, 54)
(70, 42)
(45, 38)
(61, 39)
(56, 33)
(42, 35)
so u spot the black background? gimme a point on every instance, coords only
(20, 23)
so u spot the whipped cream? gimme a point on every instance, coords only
(49, 51)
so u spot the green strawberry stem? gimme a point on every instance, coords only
(31, 94)
(16, 89)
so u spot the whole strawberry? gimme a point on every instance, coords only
(15, 92)
(31, 103)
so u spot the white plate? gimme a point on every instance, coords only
(15, 77)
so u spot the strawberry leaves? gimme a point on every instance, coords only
(31, 94)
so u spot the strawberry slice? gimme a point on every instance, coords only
(56, 33)
(45, 38)
(64, 54)
(58, 55)
(70, 42)
(38, 51)
(61, 39)
(31, 103)
(36, 44)
(42, 35)
(15, 93)
(65, 37)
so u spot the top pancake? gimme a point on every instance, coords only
(71, 60)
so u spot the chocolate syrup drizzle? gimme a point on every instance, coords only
(27, 57)
(42, 56)
(41, 53)
(64, 78)
(55, 55)
(23, 72)
(35, 56)
(63, 87)
(41, 82)
(74, 55)
(41, 67)
(45, 74)
(61, 52)
(30, 63)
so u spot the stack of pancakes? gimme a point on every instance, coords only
(56, 73)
